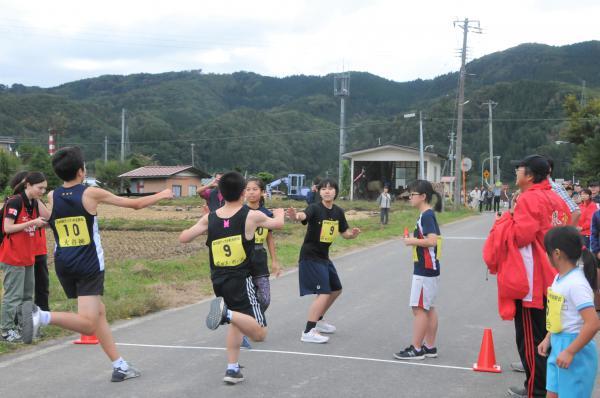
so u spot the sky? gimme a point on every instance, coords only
(47, 43)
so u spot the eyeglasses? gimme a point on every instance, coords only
(414, 193)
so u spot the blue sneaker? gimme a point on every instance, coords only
(233, 376)
(245, 343)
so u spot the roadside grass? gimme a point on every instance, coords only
(138, 287)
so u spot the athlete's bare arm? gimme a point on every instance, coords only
(93, 196)
(198, 229)
(429, 241)
(351, 233)
(296, 215)
(259, 219)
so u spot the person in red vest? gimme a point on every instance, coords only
(537, 210)
(588, 208)
(22, 215)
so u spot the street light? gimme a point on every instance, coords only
(421, 150)
(427, 147)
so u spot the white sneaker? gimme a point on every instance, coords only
(30, 316)
(324, 327)
(314, 337)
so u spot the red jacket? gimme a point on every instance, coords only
(537, 210)
(502, 256)
(587, 212)
(18, 249)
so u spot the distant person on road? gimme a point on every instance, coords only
(384, 201)
(79, 258)
(474, 195)
(571, 319)
(482, 197)
(231, 232)
(497, 191)
(316, 273)
(426, 243)
(489, 199)
(211, 193)
(313, 195)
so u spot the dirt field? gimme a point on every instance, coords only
(151, 213)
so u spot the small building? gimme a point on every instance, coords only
(183, 180)
(7, 143)
(392, 165)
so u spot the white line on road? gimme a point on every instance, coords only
(308, 354)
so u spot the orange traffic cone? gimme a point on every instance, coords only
(487, 356)
(87, 340)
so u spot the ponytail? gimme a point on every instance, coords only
(425, 187)
(590, 267)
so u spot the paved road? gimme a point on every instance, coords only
(179, 357)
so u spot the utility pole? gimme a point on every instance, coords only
(123, 135)
(193, 165)
(105, 149)
(341, 88)
(466, 27)
(451, 159)
(421, 154)
(583, 99)
(491, 105)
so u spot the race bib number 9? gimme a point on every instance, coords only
(72, 231)
(555, 303)
(329, 231)
(228, 252)
(260, 235)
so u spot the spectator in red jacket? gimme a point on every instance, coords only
(588, 208)
(536, 211)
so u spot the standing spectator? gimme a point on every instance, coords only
(312, 196)
(385, 202)
(489, 198)
(536, 211)
(560, 190)
(505, 197)
(21, 216)
(497, 193)
(576, 194)
(569, 189)
(210, 192)
(474, 195)
(595, 188)
(588, 208)
(595, 249)
(40, 267)
(482, 198)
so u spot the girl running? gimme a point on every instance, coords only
(571, 318)
(426, 252)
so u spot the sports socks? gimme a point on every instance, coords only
(121, 363)
(45, 317)
(310, 326)
(233, 366)
(229, 315)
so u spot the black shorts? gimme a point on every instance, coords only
(84, 285)
(259, 264)
(239, 294)
(318, 277)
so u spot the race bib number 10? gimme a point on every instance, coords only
(555, 303)
(260, 235)
(228, 252)
(72, 231)
(329, 231)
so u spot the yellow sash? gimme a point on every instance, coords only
(553, 310)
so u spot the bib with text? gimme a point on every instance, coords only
(72, 231)
(329, 231)
(228, 252)
(260, 235)
(555, 303)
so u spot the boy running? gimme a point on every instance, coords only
(79, 258)
(317, 274)
(230, 243)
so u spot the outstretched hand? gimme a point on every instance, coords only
(291, 213)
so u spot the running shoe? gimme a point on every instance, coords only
(30, 316)
(12, 336)
(217, 315)
(245, 343)
(233, 376)
(430, 352)
(517, 367)
(324, 327)
(313, 337)
(410, 353)
(122, 375)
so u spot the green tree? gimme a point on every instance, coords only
(9, 164)
(584, 131)
(39, 160)
(108, 174)
(265, 176)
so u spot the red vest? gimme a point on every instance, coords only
(18, 249)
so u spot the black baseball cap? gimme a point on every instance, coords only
(594, 184)
(536, 163)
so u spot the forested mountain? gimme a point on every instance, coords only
(282, 125)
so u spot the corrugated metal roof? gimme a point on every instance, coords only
(161, 171)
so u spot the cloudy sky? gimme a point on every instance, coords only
(46, 43)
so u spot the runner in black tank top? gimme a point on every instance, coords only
(230, 242)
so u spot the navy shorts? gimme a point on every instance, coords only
(318, 277)
(84, 285)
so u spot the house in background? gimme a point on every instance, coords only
(392, 165)
(183, 180)
(7, 143)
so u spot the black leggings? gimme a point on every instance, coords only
(42, 282)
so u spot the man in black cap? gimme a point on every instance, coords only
(595, 188)
(536, 211)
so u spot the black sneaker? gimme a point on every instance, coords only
(121, 375)
(430, 352)
(410, 353)
(217, 315)
(518, 392)
(233, 376)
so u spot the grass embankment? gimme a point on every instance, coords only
(138, 287)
